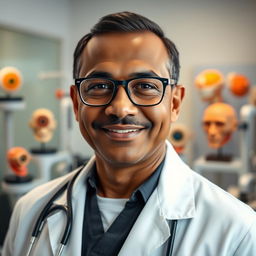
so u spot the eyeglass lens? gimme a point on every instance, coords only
(141, 91)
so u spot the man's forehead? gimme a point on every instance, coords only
(120, 47)
(135, 37)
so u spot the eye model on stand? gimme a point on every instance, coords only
(10, 82)
(210, 83)
(180, 135)
(238, 84)
(43, 124)
(18, 158)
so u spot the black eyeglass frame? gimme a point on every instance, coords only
(124, 83)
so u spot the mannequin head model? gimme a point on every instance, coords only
(252, 96)
(219, 123)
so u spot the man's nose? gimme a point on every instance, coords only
(121, 106)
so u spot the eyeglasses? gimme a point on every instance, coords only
(145, 91)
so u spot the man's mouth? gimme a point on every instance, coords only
(122, 132)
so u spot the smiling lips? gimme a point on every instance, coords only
(122, 132)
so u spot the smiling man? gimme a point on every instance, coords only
(135, 196)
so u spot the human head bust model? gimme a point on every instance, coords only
(42, 124)
(252, 96)
(219, 123)
(127, 127)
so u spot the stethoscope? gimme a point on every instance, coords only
(50, 208)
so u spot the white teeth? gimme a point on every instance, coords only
(123, 131)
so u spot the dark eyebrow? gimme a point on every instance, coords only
(143, 74)
(103, 74)
(99, 74)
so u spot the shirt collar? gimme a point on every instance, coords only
(92, 179)
(144, 190)
(148, 186)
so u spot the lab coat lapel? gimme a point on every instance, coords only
(149, 232)
(172, 199)
(176, 188)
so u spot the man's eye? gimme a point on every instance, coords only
(98, 86)
(146, 86)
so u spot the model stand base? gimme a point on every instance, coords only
(43, 151)
(13, 179)
(217, 157)
(10, 99)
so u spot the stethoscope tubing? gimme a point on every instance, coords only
(172, 238)
(49, 209)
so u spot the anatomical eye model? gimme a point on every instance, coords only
(238, 84)
(18, 159)
(210, 83)
(10, 80)
(43, 125)
(180, 135)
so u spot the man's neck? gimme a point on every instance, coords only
(119, 181)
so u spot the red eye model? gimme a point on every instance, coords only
(18, 158)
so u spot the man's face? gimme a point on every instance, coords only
(122, 133)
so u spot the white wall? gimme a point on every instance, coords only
(48, 17)
(207, 32)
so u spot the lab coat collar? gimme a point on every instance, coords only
(175, 189)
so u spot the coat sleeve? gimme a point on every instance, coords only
(247, 246)
(8, 247)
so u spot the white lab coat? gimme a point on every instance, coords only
(210, 221)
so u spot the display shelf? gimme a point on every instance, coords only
(234, 166)
(19, 189)
(12, 105)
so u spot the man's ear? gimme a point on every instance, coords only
(73, 95)
(178, 93)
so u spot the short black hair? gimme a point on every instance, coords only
(127, 22)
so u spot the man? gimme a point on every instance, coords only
(135, 196)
